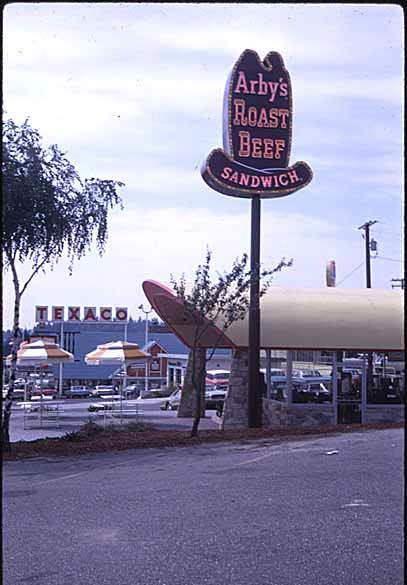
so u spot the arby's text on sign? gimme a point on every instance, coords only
(257, 130)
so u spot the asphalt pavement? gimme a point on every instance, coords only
(321, 511)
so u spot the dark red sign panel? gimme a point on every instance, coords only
(256, 133)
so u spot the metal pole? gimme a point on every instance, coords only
(364, 393)
(124, 377)
(268, 372)
(61, 365)
(40, 379)
(289, 376)
(254, 405)
(146, 343)
(121, 393)
(335, 386)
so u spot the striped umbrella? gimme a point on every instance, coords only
(40, 353)
(115, 353)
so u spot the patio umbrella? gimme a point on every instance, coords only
(116, 353)
(40, 353)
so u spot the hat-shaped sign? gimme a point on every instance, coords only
(257, 129)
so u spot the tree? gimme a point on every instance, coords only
(48, 211)
(220, 302)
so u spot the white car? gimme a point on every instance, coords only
(102, 390)
(78, 392)
(172, 402)
(214, 397)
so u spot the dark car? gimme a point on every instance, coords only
(307, 390)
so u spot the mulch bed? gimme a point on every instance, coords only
(97, 440)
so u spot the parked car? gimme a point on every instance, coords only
(155, 393)
(78, 392)
(274, 372)
(131, 391)
(217, 379)
(315, 389)
(100, 407)
(306, 373)
(214, 397)
(18, 393)
(305, 390)
(172, 402)
(278, 389)
(102, 390)
(49, 392)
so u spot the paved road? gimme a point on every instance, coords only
(324, 511)
(74, 414)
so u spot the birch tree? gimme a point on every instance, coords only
(48, 211)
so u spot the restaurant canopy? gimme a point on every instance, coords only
(292, 318)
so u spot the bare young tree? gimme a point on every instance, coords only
(47, 211)
(219, 302)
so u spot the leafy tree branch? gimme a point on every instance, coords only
(48, 211)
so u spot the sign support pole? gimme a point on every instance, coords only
(254, 410)
(254, 163)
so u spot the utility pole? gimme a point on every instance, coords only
(366, 227)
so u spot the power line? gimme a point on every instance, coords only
(350, 273)
(389, 259)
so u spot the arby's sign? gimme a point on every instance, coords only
(85, 314)
(257, 129)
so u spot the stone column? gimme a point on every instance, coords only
(188, 398)
(235, 410)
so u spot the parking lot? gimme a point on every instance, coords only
(73, 413)
(326, 511)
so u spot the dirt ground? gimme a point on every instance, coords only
(93, 439)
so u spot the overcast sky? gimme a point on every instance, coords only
(134, 92)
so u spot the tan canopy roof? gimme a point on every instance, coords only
(326, 318)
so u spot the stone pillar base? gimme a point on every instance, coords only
(235, 410)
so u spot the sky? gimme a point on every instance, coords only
(134, 92)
